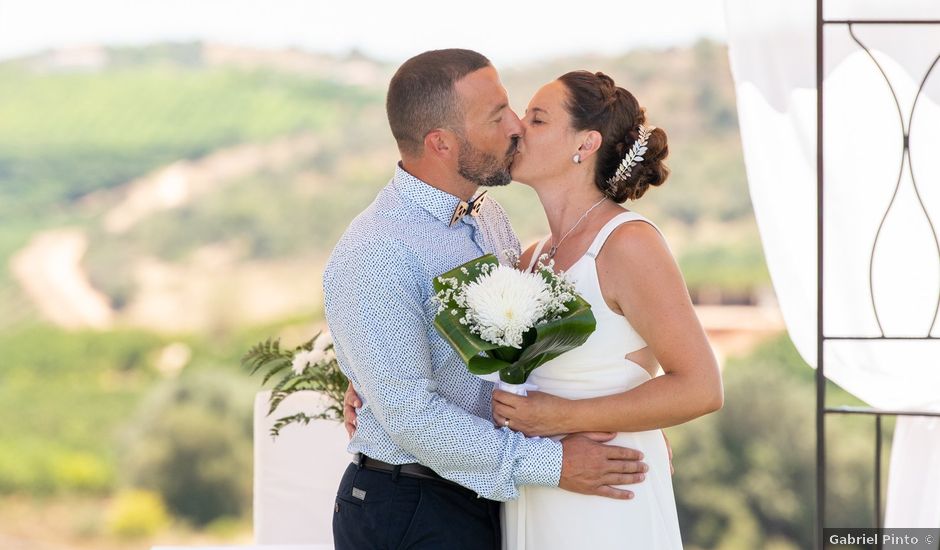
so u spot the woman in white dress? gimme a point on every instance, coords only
(587, 148)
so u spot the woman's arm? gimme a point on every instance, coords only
(640, 278)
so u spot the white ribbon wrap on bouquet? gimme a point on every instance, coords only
(518, 389)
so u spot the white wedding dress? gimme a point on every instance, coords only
(548, 518)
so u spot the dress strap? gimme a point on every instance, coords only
(609, 227)
(536, 253)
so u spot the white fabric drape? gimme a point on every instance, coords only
(881, 209)
(296, 475)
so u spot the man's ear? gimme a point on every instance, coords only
(439, 143)
(590, 143)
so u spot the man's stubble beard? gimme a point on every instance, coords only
(484, 169)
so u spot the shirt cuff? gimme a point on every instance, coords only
(539, 463)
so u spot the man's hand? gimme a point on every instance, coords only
(591, 468)
(669, 448)
(351, 402)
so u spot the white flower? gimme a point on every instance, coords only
(510, 257)
(503, 303)
(323, 341)
(303, 358)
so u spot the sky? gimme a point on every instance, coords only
(507, 32)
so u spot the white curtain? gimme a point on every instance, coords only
(881, 209)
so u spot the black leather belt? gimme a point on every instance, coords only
(414, 470)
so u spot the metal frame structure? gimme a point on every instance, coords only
(821, 409)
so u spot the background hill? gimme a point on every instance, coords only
(172, 165)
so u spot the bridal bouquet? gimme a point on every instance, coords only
(310, 366)
(502, 320)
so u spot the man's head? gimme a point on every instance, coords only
(451, 105)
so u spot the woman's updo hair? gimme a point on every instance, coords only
(596, 103)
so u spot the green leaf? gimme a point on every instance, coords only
(262, 354)
(465, 343)
(275, 401)
(510, 354)
(328, 379)
(554, 338)
(481, 364)
(275, 366)
(295, 419)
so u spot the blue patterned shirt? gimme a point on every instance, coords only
(419, 402)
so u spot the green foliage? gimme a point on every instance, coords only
(24, 471)
(65, 395)
(728, 265)
(100, 130)
(745, 476)
(712, 98)
(65, 135)
(68, 394)
(190, 442)
(137, 514)
(226, 527)
(82, 472)
(707, 181)
(325, 377)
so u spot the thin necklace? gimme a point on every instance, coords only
(554, 248)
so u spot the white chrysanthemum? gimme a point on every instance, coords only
(303, 358)
(504, 303)
(323, 341)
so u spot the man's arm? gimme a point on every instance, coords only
(375, 310)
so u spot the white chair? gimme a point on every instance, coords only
(296, 474)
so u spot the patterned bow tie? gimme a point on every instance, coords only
(473, 207)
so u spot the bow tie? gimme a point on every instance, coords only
(473, 208)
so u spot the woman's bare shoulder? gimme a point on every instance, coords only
(638, 248)
(526, 257)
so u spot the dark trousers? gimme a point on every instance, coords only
(381, 510)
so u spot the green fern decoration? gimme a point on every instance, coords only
(324, 377)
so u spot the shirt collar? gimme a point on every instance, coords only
(440, 204)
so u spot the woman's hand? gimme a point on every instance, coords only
(350, 402)
(537, 414)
